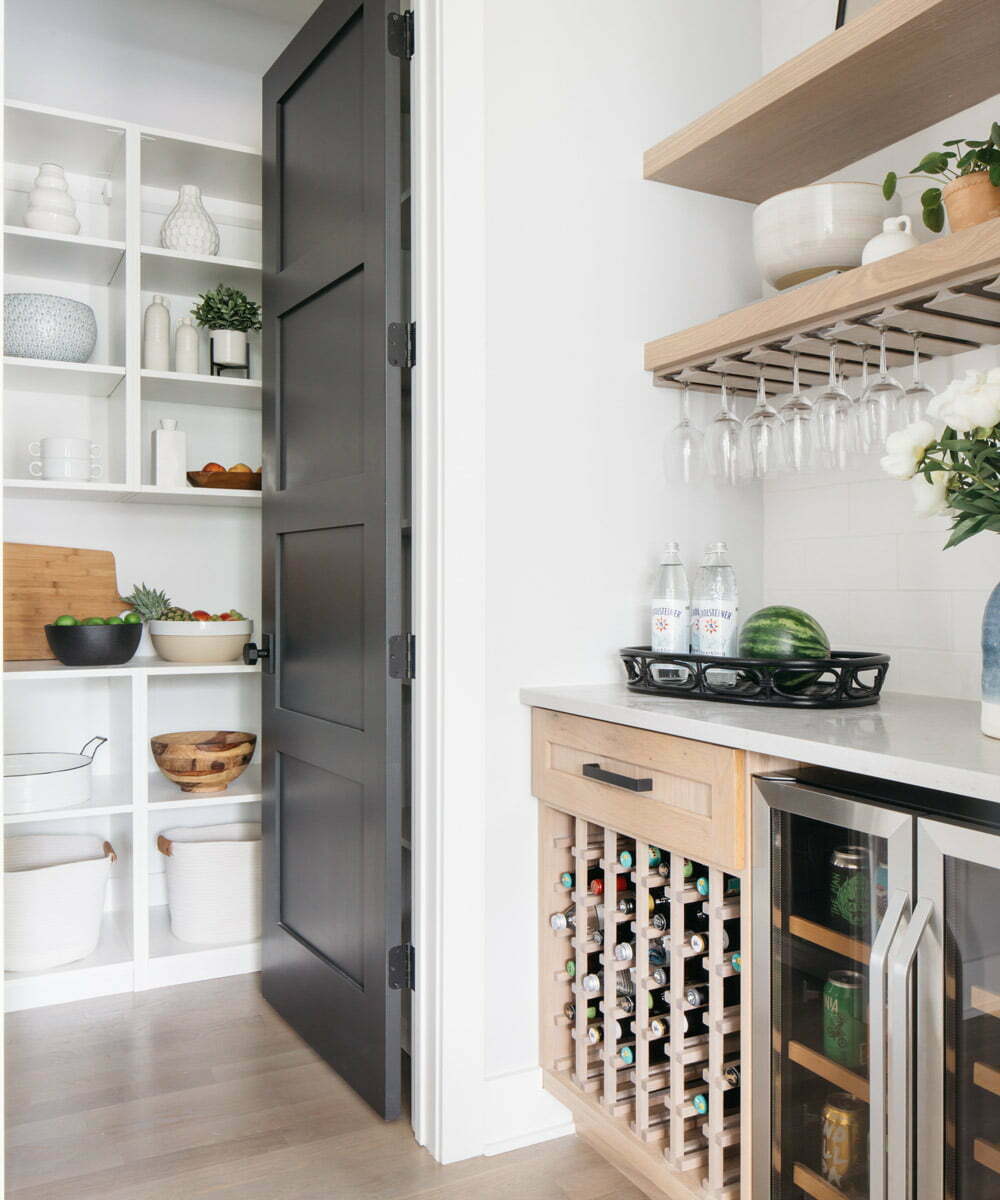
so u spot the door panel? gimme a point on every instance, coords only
(332, 736)
(838, 884)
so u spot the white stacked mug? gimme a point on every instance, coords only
(65, 458)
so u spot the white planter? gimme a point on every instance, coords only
(229, 347)
(812, 230)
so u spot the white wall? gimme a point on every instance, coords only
(585, 262)
(184, 65)
(846, 545)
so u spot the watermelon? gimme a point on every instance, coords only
(780, 631)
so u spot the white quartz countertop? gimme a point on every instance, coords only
(918, 740)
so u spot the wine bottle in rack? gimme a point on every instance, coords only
(735, 960)
(568, 878)
(566, 919)
(622, 884)
(730, 886)
(593, 982)
(593, 965)
(624, 952)
(595, 1032)
(658, 1053)
(660, 976)
(697, 996)
(627, 857)
(689, 1024)
(659, 902)
(660, 922)
(569, 1011)
(731, 1074)
(730, 1102)
(626, 903)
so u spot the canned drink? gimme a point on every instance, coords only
(850, 888)
(844, 1150)
(845, 1019)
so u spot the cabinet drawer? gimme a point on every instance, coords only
(690, 795)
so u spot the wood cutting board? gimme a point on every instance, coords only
(41, 583)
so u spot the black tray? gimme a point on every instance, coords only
(847, 679)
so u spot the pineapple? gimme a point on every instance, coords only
(150, 604)
(176, 614)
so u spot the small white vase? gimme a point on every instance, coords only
(186, 347)
(896, 236)
(169, 455)
(188, 227)
(156, 336)
(229, 347)
(50, 206)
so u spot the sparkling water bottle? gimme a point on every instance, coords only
(670, 607)
(715, 610)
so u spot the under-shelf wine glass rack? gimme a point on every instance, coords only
(625, 1049)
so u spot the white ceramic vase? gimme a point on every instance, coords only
(229, 347)
(896, 236)
(50, 206)
(156, 336)
(186, 347)
(809, 231)
(188, 227)
(169, 455)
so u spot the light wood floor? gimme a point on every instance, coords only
(202, 1091)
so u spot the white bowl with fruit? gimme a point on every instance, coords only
(190, 636)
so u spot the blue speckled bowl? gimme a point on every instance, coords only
(52, 327)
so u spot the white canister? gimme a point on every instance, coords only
(156, 336)
(64, 447)
(186, 347)
(169, 455)
(229, 347)
(896, 236)
(76, 470)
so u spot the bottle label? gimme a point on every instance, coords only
(670, 625)
(713, 629)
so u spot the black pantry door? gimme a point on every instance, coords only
(332, 543)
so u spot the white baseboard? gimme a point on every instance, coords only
(519, 1112)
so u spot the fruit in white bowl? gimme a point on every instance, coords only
(200, 641)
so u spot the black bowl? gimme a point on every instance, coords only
(93, 645)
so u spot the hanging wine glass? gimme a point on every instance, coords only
(797, 435)
(684, 450)
(762, 434)
(860, 435)
(879, 401)
(913, 402)
(831, 410)
(724, 437)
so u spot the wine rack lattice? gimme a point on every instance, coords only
(644, 1012)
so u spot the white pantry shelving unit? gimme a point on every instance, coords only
(124, 178)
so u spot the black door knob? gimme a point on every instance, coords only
(252, 653)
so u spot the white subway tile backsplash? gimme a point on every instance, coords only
(783, 563)
(933, 673)
(811, 513)
(925, 565)
(916, 620)
(851, 563)
(967, 620)
(886, 506)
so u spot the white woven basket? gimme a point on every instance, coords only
(54, 885)
(213, 882)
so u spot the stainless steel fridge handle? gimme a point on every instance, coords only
(901, 1098)
(897, 910)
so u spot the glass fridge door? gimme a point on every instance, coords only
(838, 885)
(958, 970)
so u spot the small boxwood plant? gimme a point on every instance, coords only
(227, 308)
(946, 165)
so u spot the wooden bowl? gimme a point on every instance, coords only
(245, 481)
(203, 761)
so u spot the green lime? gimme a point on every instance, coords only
(93, 621)
(65, 619)
(113, 621)
(132, 619)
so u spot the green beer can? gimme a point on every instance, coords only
(850, 889)
(845, 1019)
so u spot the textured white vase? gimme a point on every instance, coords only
(156, 336)
(188, 227)
(169, 455)
(50, 206)
(186, 347)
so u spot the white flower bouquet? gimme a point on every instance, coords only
(956, 471)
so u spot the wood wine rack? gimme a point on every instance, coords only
(644, 1108)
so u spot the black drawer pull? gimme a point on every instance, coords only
(595, 771)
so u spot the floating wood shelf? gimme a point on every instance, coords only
(829, 939)
(858, 90)
(815, 1185)
(827, 1069)
(948, 290)
(986, 1077)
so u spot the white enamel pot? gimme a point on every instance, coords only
(40, 782)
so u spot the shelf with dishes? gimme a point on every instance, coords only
(42, 489)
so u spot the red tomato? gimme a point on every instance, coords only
(199, 614)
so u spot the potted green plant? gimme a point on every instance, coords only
(229, 315)
(967, 178)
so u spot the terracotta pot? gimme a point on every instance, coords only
(970, 200)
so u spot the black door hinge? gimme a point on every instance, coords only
(402, 968)
(400, 34)
(402, 344)
(403, 657)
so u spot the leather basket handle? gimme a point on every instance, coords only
(164, 845)
(109, 852)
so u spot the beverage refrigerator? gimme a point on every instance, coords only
(876, 991)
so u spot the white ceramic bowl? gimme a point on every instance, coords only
(200, 641)
(52, 327)
(812, 230)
